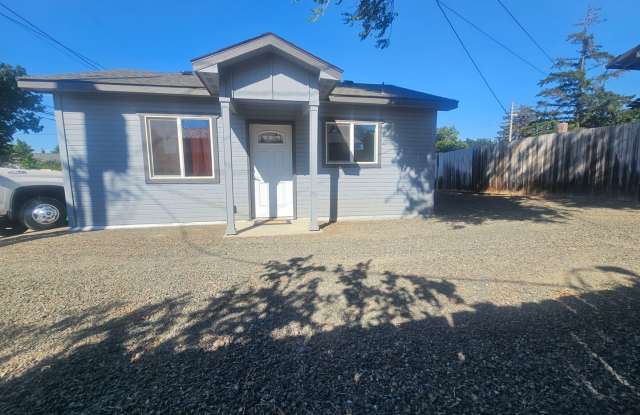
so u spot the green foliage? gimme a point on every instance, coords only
(575, 92)
(22, 154)
(539, 126)
(18, 108)
(450, 133)
(479, 142)
(374, 16)
(448, 139)
(449, 145)
(527, 122)
(49, 165)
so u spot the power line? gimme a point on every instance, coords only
(29, 29)
(525, 31)
(499, 43)
(486, 82)
(28, 25)
(52, 39)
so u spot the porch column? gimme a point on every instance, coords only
(313, 167)
(225, 109)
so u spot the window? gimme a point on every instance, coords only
(270, 137)
(351, 142)
(179, 147)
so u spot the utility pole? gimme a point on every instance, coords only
(511, 123)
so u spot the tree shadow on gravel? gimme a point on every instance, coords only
(293, 346)
(475, 209)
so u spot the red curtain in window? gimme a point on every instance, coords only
(200, 150)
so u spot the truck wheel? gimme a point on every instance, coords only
(43, 213)
(10, 229)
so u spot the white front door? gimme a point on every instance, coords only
(272, 165)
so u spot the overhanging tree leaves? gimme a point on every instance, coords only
(18, 108)
(374, 16)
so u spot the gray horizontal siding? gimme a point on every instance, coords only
(401, 186)
(104, 144)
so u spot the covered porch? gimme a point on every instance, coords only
(269, 92)
(273, 181)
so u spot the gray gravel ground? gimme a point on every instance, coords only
(497, 305)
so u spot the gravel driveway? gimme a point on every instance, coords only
(496, 305)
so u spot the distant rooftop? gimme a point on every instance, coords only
(628, 60)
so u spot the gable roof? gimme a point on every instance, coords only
(267, 42)
(187, 83)
(191, 83)
(628, 60)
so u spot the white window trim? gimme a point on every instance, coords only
(352, 125)
(179, 119)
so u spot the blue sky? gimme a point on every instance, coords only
(424, 54)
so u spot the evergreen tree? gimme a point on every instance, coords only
(526, 122)
(574, 91)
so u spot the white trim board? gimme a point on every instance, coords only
(144, 226)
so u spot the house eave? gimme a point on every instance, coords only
(52, 86)
(444, 105)
(630, 60)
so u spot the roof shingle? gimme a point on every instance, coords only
(126, 77)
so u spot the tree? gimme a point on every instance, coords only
(448, 139)
(574, 91)
(56, 150)
(479, 142)
(374, 16)
(22, 154)
(526, 122)
(18, 108)
(447, 133)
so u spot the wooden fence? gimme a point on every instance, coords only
(593, 161)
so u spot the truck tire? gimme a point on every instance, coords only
(42, 213)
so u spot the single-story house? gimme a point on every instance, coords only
(259, 129)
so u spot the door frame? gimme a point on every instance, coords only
(252, 201)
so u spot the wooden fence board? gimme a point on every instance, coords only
(589, 161)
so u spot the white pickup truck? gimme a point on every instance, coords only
(31, 199)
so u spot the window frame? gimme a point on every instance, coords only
(148, 149)
(352, 161)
